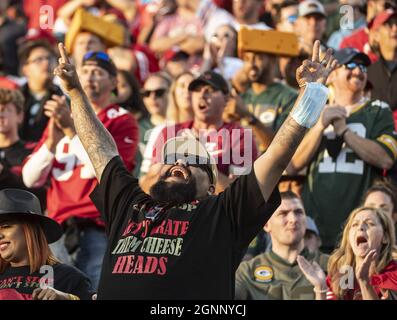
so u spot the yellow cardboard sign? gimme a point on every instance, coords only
(268, 41)
(111, 33)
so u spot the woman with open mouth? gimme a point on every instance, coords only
(364, 265)
(28, 269)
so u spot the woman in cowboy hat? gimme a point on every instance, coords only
(28, 269)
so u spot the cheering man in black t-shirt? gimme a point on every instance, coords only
(182, 242)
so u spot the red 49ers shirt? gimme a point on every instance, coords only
(69, 170)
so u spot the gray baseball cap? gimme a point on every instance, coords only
(311, 7)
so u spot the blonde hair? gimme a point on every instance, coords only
(173, 110)
(38, 250)
(344, 256)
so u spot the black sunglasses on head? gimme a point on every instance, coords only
(158, 93)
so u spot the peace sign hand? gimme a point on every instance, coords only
(66, 71)
(315, 70)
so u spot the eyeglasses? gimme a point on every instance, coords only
(353, 65)
(99, 55)
(158, 93)
(40, 60)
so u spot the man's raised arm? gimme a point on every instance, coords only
(311, 76)
(96, 140)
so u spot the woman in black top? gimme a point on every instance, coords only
(28, 269)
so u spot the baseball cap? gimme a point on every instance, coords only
(192, 151)
(311, 7)
(347, 55)
(382, 18)
(311, 226)
(211, 78)
(100, 59)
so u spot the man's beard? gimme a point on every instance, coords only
(92, 93)
(261, 76)
(174, 193)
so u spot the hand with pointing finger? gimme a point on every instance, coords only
(66, 71)
(315, 70)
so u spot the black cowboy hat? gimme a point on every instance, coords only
(24, 205)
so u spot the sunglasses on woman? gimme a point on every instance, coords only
(158, 93)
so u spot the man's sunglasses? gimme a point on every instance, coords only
(192, 161)
(158, 93)
(99, 55)
(353, 65)
(292, 18)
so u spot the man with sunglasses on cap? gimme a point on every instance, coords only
(60, 158)
(169, 247)
(232, 146)
(350, 146)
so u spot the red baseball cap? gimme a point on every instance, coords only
(6, 83)
(174, 54)
(382, 18)
(39, 34)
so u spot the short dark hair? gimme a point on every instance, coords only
(385, 186)
(284, 4)
(26, 49)
(12, 96)
(134, 102)
(289, 195)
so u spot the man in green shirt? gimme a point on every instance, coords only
(353, 143)
(275, 275)
(266, 99)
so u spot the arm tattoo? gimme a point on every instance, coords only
(288, 138)
(96, 140)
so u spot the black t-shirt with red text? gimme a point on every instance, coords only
(17, 283)
(187, 252)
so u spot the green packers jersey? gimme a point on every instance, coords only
(337, 178)
(270, 277)
(271, 106)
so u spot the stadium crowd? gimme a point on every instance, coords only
(140, 139)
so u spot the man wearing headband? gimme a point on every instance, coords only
(61, 158)
(160, 249)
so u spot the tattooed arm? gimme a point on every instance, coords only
(96, 140)
(269, 167)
